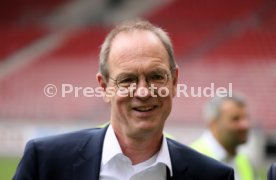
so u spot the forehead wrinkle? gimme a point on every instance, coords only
(138, 43)
(137, 50)
(138, 67)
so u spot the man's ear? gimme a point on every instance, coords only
(103, 84)
(175, 80)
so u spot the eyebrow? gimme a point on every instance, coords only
(157, 70)
(123, 75)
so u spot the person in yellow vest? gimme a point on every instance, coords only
(228, 126)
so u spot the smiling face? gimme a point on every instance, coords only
(139, 54)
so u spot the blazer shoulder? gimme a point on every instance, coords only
(196, 161)
(271, 175)
(53, 156)
(67, 140)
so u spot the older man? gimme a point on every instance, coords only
(136, 61)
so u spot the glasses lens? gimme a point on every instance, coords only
(158, 78)
(126, 81)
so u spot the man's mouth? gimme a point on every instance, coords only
(144, 108)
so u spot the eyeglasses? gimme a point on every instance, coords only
(156, 78)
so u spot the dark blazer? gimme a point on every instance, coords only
(271, 175)
(77, 156)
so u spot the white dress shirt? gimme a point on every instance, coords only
(116, 166)
(220, 153)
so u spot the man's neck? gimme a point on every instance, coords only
(139, 149)
(231, 150)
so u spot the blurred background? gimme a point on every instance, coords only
(57, 42)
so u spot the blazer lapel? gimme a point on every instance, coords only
(178, 165)
(87, 166)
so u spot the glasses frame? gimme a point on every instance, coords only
(168, 77)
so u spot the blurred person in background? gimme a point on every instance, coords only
(228, 127)
(133, 145)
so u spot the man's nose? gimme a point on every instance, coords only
(142, 92)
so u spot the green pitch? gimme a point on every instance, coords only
(7, 167)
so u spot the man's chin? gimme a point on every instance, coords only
(144, 130)
(242, 140)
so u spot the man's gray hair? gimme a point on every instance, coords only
(212, 108)
(131, 25)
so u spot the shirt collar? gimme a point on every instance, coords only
(164, 155)
(111, 148)
(221, 153)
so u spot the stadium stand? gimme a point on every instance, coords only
(238, 45)
(20, 23)
(26, 11)
(215, 41)
(14, 38)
